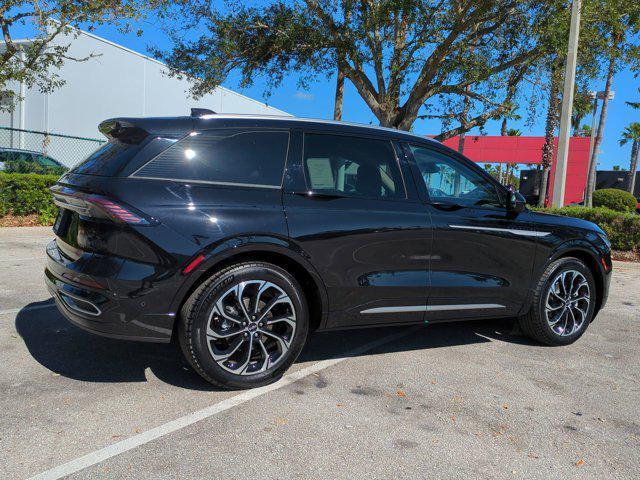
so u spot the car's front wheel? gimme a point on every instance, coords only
(245, 325)
(563, 303)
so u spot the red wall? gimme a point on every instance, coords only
(497, 149)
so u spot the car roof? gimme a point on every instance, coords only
(316, 123)
(166, 125)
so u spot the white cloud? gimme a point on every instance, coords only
(304, 96)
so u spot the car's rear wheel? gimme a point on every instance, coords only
(244, 326)
(563, 303)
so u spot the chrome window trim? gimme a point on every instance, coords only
(209, 182)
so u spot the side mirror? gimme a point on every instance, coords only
(515, 201)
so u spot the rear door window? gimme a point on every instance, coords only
(352, 166)
(224, 156)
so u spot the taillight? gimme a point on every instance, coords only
(98, 206)
(117, 212)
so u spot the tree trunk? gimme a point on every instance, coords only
(500, 172)
(337, 106)
(507, 174)
(461, 138)
(463, 120)
(550, 128)
(576, 120)
(503, 132)
(634, 166)
(593, 164)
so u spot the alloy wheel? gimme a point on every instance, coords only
(251, 327)
(567, 302)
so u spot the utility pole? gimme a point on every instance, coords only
(560, 176)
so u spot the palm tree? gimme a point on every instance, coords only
(582, 106)
(635, 105)
(510, 114)
(511, 132)
(584, 131)
(632, 134)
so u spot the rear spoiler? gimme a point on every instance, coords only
(199, 112)
(134, 129)
(122, 131)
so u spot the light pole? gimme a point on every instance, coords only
(593, 162)
(560, 176)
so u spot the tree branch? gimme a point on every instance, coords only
(487, 115)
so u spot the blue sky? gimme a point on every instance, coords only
(317, 102)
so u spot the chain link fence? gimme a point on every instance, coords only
(30, 151)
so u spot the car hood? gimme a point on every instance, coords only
(562, 221)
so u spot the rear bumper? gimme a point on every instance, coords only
(103, 305)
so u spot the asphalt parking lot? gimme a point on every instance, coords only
(469, 399)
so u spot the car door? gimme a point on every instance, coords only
(349, 212)
(482, 253)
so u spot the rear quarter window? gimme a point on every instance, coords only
(224, 156)
(108, 159)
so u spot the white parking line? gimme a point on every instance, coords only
(130, 443)
(26, 309)
(24, 259)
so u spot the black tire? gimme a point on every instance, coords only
(195, 313)
(534, 323)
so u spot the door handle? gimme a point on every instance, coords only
(447, 206)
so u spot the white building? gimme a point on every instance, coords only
(118, 82)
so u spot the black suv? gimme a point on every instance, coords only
(238, 235)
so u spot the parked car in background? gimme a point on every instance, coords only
(238, 235)
(26, 161)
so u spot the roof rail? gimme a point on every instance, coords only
(198, 112)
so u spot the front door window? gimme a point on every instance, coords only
(450, 182)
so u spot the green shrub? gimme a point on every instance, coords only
(26, 194)
(623, 229)
(615, 199)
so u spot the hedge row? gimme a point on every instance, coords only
(27, 194)
(623, 229)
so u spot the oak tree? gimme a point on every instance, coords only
(407, 59)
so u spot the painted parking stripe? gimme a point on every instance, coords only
(24, 259)
(26, 309)
(130, 443)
